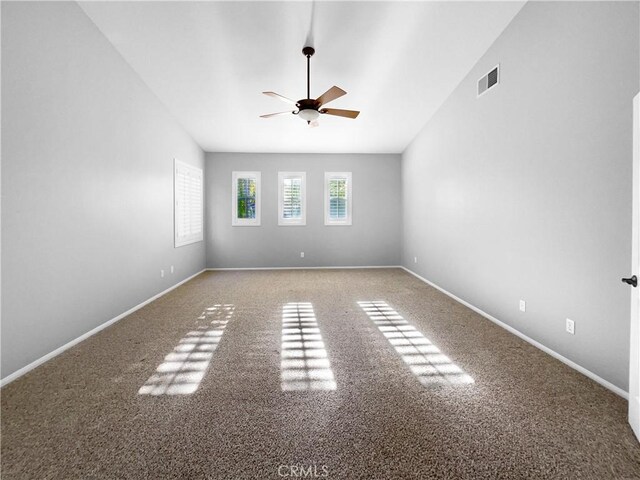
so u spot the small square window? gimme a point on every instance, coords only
(337, 198)
(292, 201)
(245, 199)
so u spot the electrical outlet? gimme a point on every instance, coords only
(415, 259)
(571, 326)
(171, 268)
(161, 273)
(523, 306)
(301, 254)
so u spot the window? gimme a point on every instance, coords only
(245, 199)
(187, 191)
(292, 201)
(337, 198)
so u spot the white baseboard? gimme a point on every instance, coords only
(565, 360)
(300, 268)
(18, 373)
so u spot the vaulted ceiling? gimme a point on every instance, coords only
(208, 62)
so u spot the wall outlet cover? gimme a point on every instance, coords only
(571, 326)
(523, 306)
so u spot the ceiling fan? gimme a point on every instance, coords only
(309, 109)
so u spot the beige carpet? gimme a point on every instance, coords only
(272, 373)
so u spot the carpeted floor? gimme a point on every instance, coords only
(270, 374)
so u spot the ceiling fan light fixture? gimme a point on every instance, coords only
(309, 114)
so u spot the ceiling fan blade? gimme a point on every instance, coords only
(330, 95)
(340, 113)
(278, 96)
(269, 115)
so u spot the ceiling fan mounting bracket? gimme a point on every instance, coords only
(308, 51)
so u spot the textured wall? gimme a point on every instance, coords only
(525, 192)
(87, 183)
(373, 239)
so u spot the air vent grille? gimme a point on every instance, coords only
(489, 80)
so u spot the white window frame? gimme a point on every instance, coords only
(327, 219)
(181, 169)
(302, 221)
(244, 222)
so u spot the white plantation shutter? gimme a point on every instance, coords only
(292, 203)
(188, 207)
(291, 198)
(337, 198)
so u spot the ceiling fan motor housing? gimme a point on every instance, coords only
(308, 104)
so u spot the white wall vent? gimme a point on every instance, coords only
(491, 79)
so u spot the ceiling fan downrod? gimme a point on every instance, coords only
(308, 52)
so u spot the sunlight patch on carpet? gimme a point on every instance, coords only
(184, 368)
(304, 361)
(423, 358)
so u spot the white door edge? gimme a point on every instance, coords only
(634, 351)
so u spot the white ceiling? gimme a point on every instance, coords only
(208, 62)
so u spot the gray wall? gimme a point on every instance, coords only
(373, 239)
(87, 183)
(525, 192)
